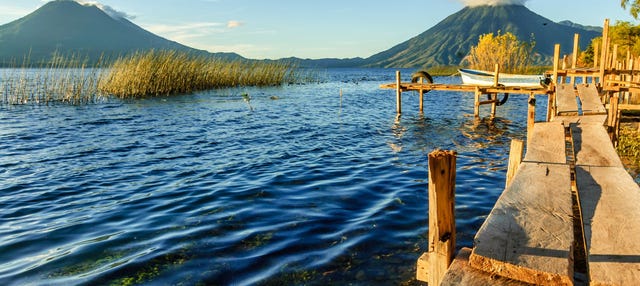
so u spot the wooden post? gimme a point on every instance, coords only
(398, 93)
(476, 103)
(421, 92)
(596, 53)
(494, 96)
(603, 54)
(551, 101)
(496, 75)
(531, 115)
(515, 158)
(614, 59)
(613, 113)
(574, 58)
(442, 226)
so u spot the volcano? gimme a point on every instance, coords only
(69, 28)
(449, 41)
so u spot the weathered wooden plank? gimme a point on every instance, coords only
(442, 221)
(590, 99)
(461, 273)
(566, 100)
(609, 200)
(592, 146)
(546, 144)
(595, 118)
(528, 235)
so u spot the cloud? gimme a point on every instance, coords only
(234, 24)
(184, 32)
(107, 9)
(473, 3)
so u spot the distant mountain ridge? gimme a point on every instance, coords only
(67, 27)
(449, 41)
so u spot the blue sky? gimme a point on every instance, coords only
(310, 29)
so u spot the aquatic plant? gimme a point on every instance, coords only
(157, 73)
(64, 79)
(71, 80)
(247, 99)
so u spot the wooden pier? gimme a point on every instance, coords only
(569, 214)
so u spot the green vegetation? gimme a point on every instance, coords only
(629, 146)
(634, 9)
(154, 73)
(449, 41)
(624, 34)
(157, 73)
(64, 79)
(513, 55)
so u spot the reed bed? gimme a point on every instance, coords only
(159, 73)
(67, 80)
(71, 80)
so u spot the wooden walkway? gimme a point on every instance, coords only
(571, 207)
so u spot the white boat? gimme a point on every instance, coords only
(486, 78)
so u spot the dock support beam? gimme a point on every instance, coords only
(605, 50)
(432, 265)
(531, 115)
(515, 158)
(421, 91)
(398, 94)
(574, 55)
(442, 224)
(551, 102)
(494, 96)
(476, 103)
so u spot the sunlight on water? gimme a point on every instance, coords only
(305, 187)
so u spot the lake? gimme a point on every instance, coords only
(310, 184)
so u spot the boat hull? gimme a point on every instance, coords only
(484, 78)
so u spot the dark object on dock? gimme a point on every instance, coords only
(499, 102)
(421, 74)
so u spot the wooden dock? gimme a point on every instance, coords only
(569, 214)
(490, 91)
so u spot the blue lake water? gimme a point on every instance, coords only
(298, 186)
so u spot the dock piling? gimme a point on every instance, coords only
(531, 115)
(515, 158)
(398, 93)
(551, 102)
(442, 226)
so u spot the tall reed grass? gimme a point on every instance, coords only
(71, 80)
(158, 73)
(65, 79)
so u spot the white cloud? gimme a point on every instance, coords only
(184, 32)
(234, 24)
(107, 9)
(473, 3)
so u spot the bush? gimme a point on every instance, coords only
(512, 55)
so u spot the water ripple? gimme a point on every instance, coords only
(310, 188)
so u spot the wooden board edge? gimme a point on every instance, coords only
(519, 273)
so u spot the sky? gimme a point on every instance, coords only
(273, 29)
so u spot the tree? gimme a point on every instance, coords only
(513, 55)
(624, 34)
(634, 8)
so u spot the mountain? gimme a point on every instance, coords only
(576, 25)
(67, 27)
(449, 41)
